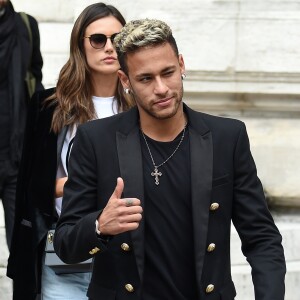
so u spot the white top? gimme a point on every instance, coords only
(104, 107)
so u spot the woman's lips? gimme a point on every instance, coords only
(109, 59)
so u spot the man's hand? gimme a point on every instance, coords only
(120, 215)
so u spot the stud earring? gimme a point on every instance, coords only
(127, 91)
(183, 76)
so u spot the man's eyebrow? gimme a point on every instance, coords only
(169, 68)
(142, 75)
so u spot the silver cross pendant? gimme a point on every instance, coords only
(156, 174)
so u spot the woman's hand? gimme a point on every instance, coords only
(59, 187)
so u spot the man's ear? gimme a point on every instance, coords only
(181, 63)
(124, 79)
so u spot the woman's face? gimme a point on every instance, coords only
(104, 60)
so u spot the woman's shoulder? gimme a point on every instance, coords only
(38, 108)
(39, 97)
(44, 94)
(122, 122)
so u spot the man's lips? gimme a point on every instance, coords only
(163, 102)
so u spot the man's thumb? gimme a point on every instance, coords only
(119, 188)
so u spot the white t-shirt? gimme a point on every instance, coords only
(104, 107)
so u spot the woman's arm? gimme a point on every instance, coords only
(59, 187)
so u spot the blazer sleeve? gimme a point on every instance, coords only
(22, 210)
(75, 237)
(261, 240)
(27, 153)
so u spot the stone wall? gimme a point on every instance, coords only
(5, 283)
(242, 61)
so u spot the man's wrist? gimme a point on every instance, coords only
(97, 228)
(104, 238)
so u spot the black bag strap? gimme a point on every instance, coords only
(30, 79)
(68, 153)
(25, 19)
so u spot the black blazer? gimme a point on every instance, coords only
(16, 57)
(222, 171)
(35, 209)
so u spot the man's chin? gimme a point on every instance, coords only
(164, 115)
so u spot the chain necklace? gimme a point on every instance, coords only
(156, 174)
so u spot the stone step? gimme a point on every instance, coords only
(5, 285)
(241, 275)
(5, 282)
(289, 226)
(3, 249)
(290, 232)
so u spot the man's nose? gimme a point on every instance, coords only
(160, 87)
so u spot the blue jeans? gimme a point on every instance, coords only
(64, 286)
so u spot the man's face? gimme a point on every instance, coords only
(154, 78)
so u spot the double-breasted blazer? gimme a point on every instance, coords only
(224, 188)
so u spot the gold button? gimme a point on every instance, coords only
(125, 247)
(94, 251)
(214, 206)
(211, 247)
(129, 288)
(209, 288)
(50, 237)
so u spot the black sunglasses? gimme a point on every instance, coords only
(99, 40)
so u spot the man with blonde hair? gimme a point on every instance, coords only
(163, 230)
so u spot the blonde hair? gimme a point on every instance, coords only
(142, 33)
(73, 94)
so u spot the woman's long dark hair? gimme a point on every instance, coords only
(73, 95)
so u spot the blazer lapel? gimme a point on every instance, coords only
(130, 161)
(60, 142)
(43, 164)
(201, 148)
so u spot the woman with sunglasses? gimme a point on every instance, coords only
(87, 88)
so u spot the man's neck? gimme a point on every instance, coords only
(164, 130)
